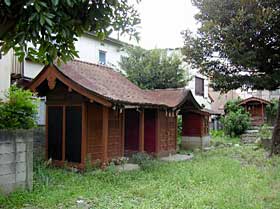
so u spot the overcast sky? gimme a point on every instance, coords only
(163, 20)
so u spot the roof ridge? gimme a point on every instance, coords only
(167, 89)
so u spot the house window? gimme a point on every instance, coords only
(199, 86)
(102, 57)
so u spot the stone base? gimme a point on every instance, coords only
(194, 142)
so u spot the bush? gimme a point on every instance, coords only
(236, 121)
(232, 106)
(18, 110)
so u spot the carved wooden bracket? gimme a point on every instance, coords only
(51, 81)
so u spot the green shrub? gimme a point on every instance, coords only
(232, 106)
(236, 121)
(18, 110)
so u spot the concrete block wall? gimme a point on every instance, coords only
(16, 160)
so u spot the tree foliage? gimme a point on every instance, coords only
(153, 69)
(238, 43)
(236, 120)
(18, 110)
(232, 106)
(52, 26)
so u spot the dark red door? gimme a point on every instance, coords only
(132, 130)
(150, 131)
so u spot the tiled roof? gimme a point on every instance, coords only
(254, 99)
(168, 97)
(97, 80)
(113, 86)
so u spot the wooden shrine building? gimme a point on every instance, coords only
(95, 113)
(256, 108)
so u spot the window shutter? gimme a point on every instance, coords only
(199, 86)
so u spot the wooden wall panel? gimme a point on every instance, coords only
(61, 94)
(150, 131)
(167, 132)
(115, 134)
(94, 132)
(132, 130)
(192, 124)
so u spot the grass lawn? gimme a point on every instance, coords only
(236, 177)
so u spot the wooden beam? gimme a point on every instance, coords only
(63, 132)
(105, 129)
(262, 112)
(47, 138)
(84, 134)
(123, 130)
(141, 131)
(157, 131)
(176, 130)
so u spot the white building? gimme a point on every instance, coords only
(7, 63)
(263, 94)
(198, 83)
(107, 52)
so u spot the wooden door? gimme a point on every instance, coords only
(132, 118)
(73, 133)
(55, 132)
(150, 131)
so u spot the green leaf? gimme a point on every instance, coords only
(70, 3)
(55, 2)
(42, 20)
(8, 2)
(50, 23)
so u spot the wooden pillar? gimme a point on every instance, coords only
(46, 131)
(105, 121)
(123, 130)
(84, 134)
(141, 131)
(157, 131)
(63, 133)
(176, 130)
(262, 112)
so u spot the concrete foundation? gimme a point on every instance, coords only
(194, 142)
(16, 160)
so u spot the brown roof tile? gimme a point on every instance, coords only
(113, 86)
